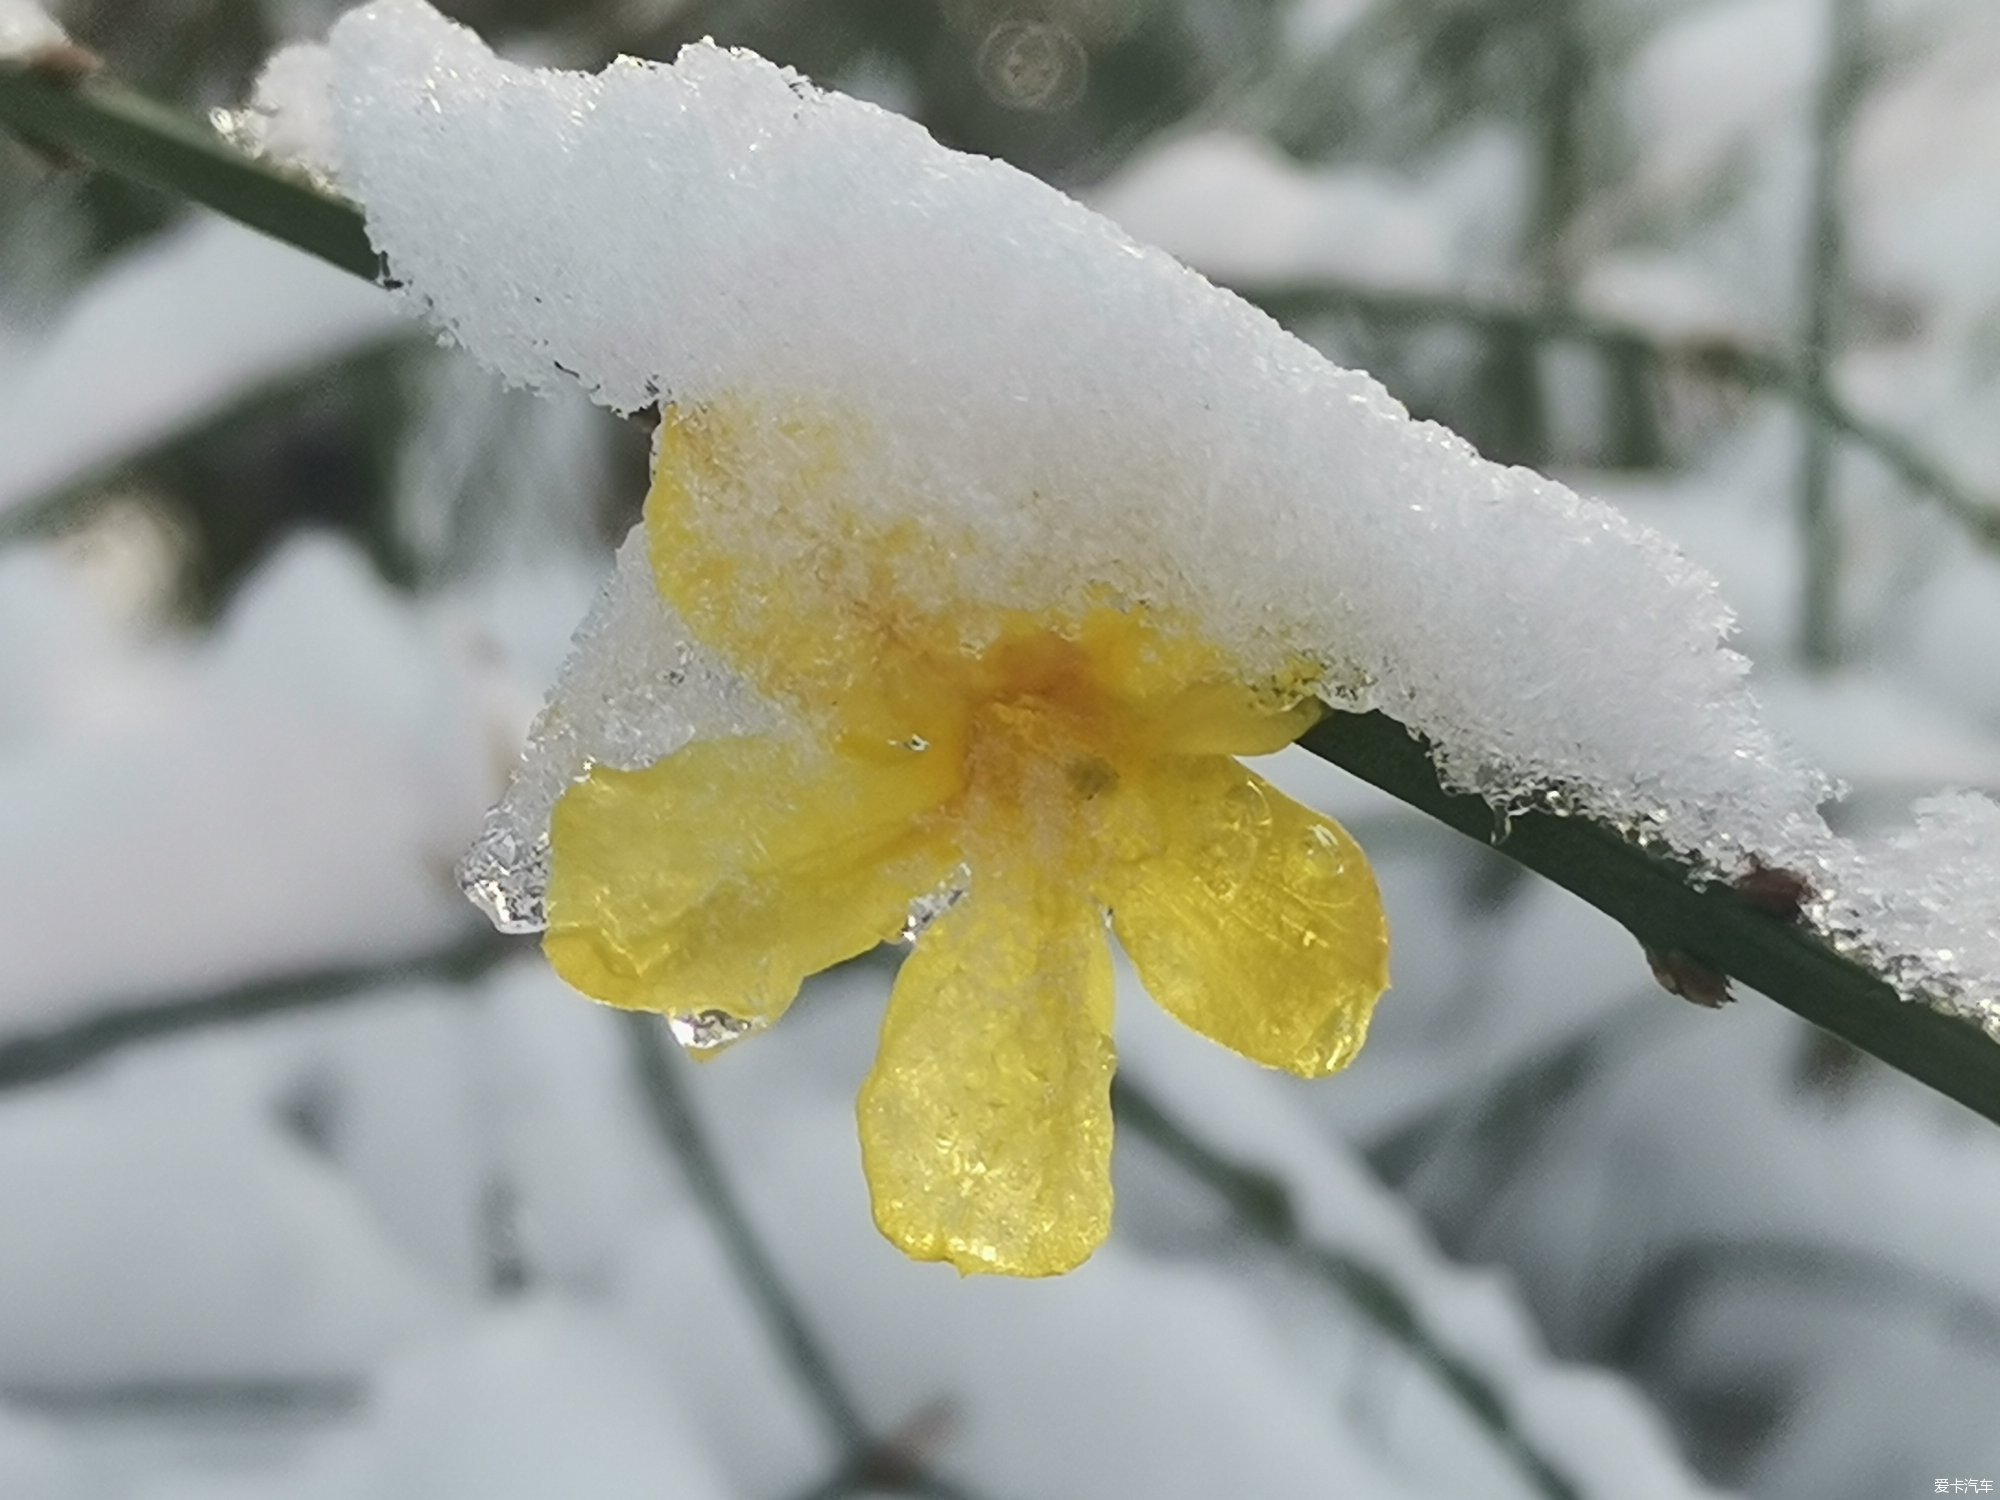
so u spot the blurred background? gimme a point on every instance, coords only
(311, 1187)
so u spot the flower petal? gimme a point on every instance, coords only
(756, 540)
(1250, 918)
(717, 879)
(986, 1124)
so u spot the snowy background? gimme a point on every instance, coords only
(311, 1187)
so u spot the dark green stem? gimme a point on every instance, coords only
(38, 1056)
(136, 138)
(1658, 902)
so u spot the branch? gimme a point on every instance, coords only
(38, 1056)
(867, 1461)
(673, 1119)
(1825, 279)
(1708, 358)
(1656, 899)
(138, 139)
(1263, 1205)
(1651, 896)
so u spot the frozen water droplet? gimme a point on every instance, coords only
(508, 880)
(927, 908)
(710, 1030)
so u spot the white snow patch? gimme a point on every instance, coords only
(533, 1400)
(289, 119)
(26, 29)
(636, 687)
(168, 335)
(290, 794)
(810, 252)
(167, 1232)
(1923, 904)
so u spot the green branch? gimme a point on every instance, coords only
(136, 138)
(1652, 897)
(1709, 358)
(1656, 900)
(1263, 1205)
(38, 1056)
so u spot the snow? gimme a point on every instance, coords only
(1437, 580)
(1544, 643)
(1925, 901)
(170, 1233)
(538, 1400)
(26, 29)
(192, 320)
(635, 688)
(324, 748)
(289, 120)
(1440, 582)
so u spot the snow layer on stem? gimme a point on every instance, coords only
(1079, 414)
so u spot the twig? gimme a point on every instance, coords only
(259, 1400)
(673, 1117)
(1710, 358)
(1855, 1278)
(38, 1056)
(1657, 901)
(1825, 276)
(1263, 1205)
(136, 138)
(866, 1460)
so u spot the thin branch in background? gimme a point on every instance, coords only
(234, 1401)
(867, 1462)
(37, 1056)
(1708, 358)
(1825, 289)
(1263, 1205)
(673, 1119)
(1677, 1285)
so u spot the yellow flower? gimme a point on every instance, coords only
(1044, 768)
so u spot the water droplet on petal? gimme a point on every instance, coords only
(928, 907)
(708, 1030)
(508, 879)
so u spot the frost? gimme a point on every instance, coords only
(26, 30)
(635, 688)
(1923, 905)
(289, 119)
(1077, 412)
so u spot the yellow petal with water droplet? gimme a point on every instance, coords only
(1250, 918)
(717, 879)
(986, 1123)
